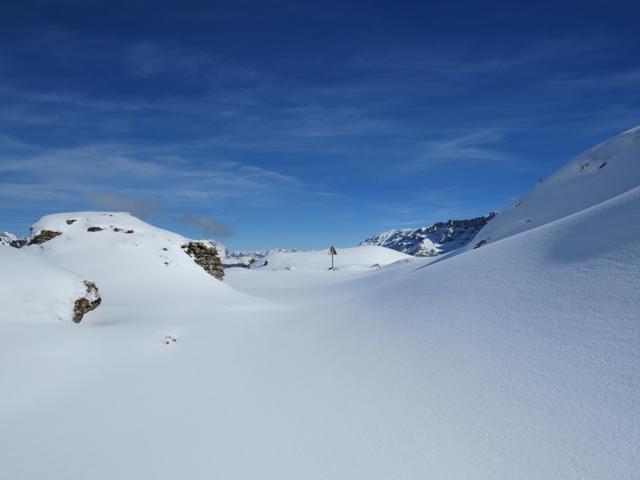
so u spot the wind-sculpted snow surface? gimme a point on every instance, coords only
(520, 359)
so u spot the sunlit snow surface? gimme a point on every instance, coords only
(519, 359)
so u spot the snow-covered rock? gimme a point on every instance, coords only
(432, 240)
(35, 290)
(131, 261)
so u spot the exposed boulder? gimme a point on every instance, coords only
(86, 303)
(206, 257)
(43, 236)
(94, 229)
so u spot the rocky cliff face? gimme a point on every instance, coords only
(205, 256)
(432, 240)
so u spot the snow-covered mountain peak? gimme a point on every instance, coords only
(431, 240)
(86, 225)
(130, 260)
(6, 238)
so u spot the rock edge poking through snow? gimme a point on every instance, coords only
(206, 257)
(43, 236)
(87, 303)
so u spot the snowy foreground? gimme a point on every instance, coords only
(518, 359)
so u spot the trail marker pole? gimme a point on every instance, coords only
(332, 252)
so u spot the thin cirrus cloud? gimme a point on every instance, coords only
(159, 176)
(465, 148)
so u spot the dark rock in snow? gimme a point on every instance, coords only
(43, 236)
(479, 244)
(88, 302)
(94, 229)
(206, 257)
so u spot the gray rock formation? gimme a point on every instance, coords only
(43, 236)
(206, 257)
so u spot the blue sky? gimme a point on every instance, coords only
(302, 124)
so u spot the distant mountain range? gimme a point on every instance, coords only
(432, 240)
(10, 239)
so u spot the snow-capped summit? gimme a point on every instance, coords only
(598, 174)
(6, 238)
(130, 260)
(432, 240)
(9, 239)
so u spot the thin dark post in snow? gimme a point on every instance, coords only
(332, 252)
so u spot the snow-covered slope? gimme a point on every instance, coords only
(436, 239)
(34, 290)
(349, 259)
(133, 263)
(600, 173)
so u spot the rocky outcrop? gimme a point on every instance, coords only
(436, 239)
(86, 303)
(206, 257)
(43, 236)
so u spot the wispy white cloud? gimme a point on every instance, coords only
(139, 179)
(471, 147)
